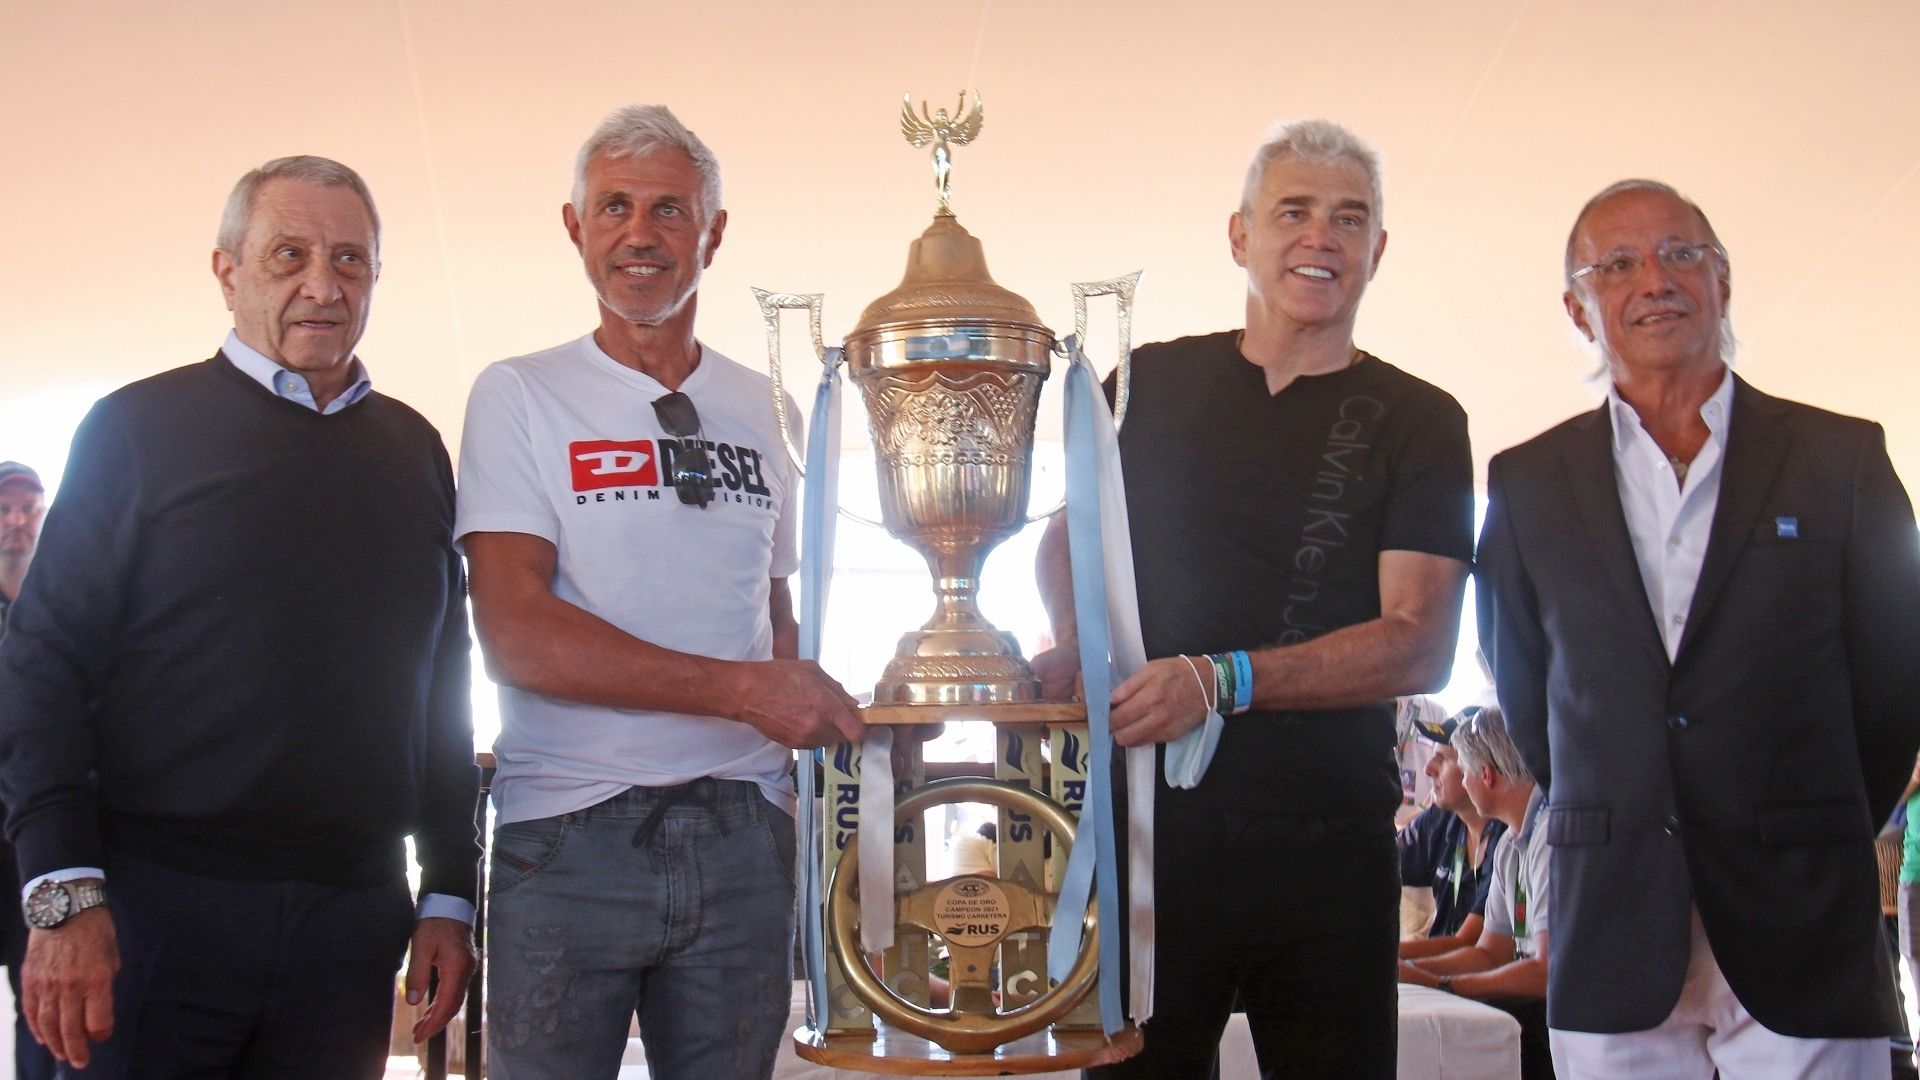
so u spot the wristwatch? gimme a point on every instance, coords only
(1445, 983)
(52, 903)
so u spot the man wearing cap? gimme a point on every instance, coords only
(630, 517)
(237, 681)
(1506, 963)
(1448, 848)
(1702, 607)
(1301, 530)
(22, 505)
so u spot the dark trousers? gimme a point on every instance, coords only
(247, 979)
(1536, 1055)
(1298, 917)
(31, 1061)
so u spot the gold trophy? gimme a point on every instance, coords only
(950, 366)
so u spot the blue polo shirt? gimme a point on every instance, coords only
(1434, 852)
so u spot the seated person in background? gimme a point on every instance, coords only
(974, 854)
(1507, 966)
(1411, 753)
(1449, 849)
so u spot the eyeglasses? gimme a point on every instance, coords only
(692, 472)
(1624, 265)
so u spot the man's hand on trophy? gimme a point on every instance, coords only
(796, 704)
(1058, 670)
(1159, 703)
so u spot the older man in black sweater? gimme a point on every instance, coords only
(237, 680)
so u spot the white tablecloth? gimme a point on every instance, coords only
(1442, 1037)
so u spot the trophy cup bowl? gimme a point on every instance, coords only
(950, 366)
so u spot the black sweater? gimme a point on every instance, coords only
(242, 651)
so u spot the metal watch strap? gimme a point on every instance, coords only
(87, 893)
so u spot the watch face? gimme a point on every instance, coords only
(48, 905)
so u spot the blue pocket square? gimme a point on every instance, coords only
(1787, 527)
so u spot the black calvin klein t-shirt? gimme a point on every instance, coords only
(1258, 519)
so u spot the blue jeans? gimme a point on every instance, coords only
(673, 903)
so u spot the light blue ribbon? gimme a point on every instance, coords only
(820, 504)
(1090, 865)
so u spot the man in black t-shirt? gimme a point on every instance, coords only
(1303, 511)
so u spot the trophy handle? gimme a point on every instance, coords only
(1121, 289)
(771, 305)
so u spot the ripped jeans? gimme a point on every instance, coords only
(672, 903)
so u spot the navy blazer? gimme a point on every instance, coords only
(1749, 774)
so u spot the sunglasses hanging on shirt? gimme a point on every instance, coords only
(692, 471)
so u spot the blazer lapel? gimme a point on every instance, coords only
(1756, 446)
(1588, 457)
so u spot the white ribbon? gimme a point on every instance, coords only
(876, 839)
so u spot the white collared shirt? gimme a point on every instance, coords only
(1669, 522)
(292, 385)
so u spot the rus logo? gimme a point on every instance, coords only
(1070, 751)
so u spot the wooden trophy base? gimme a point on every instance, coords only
(899, 1054)
(1019, 712)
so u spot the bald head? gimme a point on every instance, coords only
(1648, 281)
(1622, 187)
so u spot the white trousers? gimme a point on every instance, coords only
(1708, 1030)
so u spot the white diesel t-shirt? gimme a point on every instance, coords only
(564, 445)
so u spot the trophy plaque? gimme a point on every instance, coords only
(950, 366)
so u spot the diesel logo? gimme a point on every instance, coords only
(604, 463)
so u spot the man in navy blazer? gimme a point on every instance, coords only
(1702, 608)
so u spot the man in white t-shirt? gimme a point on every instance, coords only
(629, 514)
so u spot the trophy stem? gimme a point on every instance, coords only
(957, 657)
(956, 587)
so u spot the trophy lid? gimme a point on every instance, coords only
(947, 280)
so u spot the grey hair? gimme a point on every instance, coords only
(1483, 740)
(634, 130)
(304, 168)
(1322, 142)
(1729, 345)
